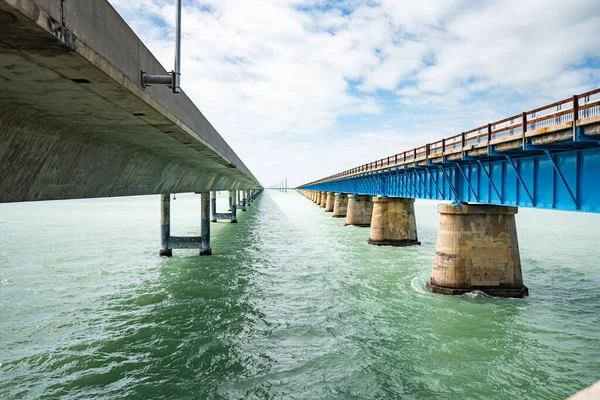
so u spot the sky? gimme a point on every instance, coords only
(307, 88)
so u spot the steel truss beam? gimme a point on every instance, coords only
(541, 178)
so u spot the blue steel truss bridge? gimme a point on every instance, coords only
(548, 157)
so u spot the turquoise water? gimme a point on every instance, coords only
(292, 305)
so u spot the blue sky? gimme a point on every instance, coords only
(305, 89)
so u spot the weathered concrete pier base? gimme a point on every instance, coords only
(329, 202)
(477, 249)
(360, 209)
(340, 205)
(165, 225)
(205, 249)
(393, 222)
(323, 200)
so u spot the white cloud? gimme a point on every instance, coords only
(290, 84)
(522, 46)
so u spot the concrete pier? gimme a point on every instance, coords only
(231, 194)
(317, 199)
(233, 205)
(231, 216)
(340, 205)
(205, 249)
(242, 194)
(168, 242)
(248, 198)
(323, 199)
(477, 249)
(393, 222)
(329, 202)
(360, 209)
(165, 225)
(213, 206)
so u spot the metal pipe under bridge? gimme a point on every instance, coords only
(548, 157)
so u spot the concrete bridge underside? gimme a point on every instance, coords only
(76, 123)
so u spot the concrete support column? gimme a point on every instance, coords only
(340, 205)
(314, 196)
(317, 199)
(165, 225)
(230, 192)
(213, 206)
(249, 198)
(329, 202)
(205, 200)
(233, 200)
(393, 222)
(477, 249)
(360, 209)
(243, 197)
(323, 199)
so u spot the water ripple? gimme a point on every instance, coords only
(292, 305)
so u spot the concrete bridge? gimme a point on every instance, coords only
(75, 121)
(548, 157)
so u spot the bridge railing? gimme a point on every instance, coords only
(589, 104)
(582, 106)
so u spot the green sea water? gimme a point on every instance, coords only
(292, 305)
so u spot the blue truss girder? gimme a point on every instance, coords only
(565, 180)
